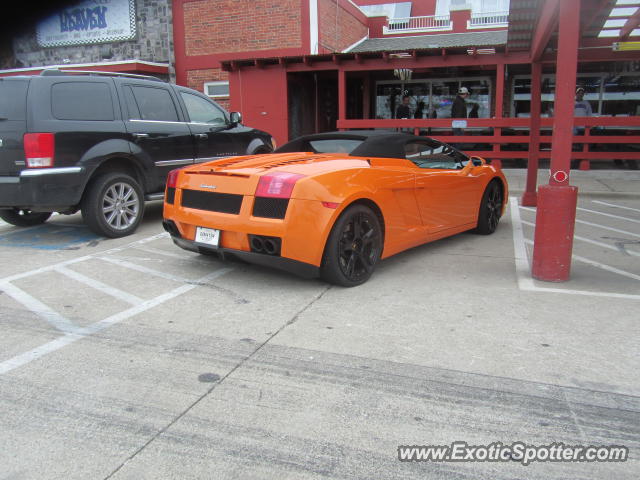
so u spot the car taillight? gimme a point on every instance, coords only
(277, 184)
(39, 149)
(172, 178)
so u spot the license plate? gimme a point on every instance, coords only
(209, 236)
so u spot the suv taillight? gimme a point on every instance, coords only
(277, 184)
(39, 149)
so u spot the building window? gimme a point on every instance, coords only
(217, 89)
(609, 94)
(433, 98)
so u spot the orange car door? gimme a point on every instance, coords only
(446, 190)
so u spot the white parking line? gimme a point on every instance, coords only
(48, 268)
(627, 219)
(525, 282)
(58, 343)
(602, 266)
(523, 271)
(43, 311)
(584, 222)
(615, 206)
(98, 285)
(593, 242)
(140, 268)
(166, 254)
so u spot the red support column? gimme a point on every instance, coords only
(556, 214)
(498, 109)
(342, 95)
(529, 198)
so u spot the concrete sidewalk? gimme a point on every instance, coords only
(606, 183)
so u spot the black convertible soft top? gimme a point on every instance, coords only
(375, 143)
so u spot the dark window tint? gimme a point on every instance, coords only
(130, 101)
(155, 104)
(81, 101)
(13, 99)
(202, 111)
(433, 155)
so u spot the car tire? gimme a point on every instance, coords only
(21, 217)
(113, 205)
(353, 248)
(490, 209)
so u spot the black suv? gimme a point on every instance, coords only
(103, 143)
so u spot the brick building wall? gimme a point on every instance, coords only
(338, 28)
(197, 78)
(153, 42)
(229, 26)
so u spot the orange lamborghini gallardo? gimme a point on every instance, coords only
(333, 204)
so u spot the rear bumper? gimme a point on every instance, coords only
(43, 189)
(300, 269)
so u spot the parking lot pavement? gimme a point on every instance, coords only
(131, 358)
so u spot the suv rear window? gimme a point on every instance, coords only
(81, 101)
(13, 99)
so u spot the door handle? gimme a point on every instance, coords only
(141, 135)
(201, 135)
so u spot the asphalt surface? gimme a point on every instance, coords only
(132, 358)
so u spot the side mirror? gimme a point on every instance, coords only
(477, 161)
(235, 118)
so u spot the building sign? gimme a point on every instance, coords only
(91, 21)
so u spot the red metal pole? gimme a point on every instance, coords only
(556, 214)
(342, 95)
(498, 109)
(529, 198)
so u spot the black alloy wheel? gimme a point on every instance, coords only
(354, 247)
(490, 209)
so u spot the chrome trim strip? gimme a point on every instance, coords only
(154, 196)
(207, 159)
(166, 163)
(155, 121)
(36, 172)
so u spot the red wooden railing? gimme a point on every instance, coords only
(597, 131)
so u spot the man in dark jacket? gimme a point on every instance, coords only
(459, 108)
(403, 110)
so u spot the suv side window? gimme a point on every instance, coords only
(154, 104)
(81, 101)
(202, 111)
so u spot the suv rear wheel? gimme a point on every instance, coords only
(21, 217)
(113, 205)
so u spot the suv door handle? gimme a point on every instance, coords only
(201, 135)
(141, 135)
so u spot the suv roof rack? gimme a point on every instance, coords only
(57, 71)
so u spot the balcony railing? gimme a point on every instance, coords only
(489, 19)
(418, 24)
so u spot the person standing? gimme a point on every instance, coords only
(403, 110)
(459, 108)
(582, 108)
